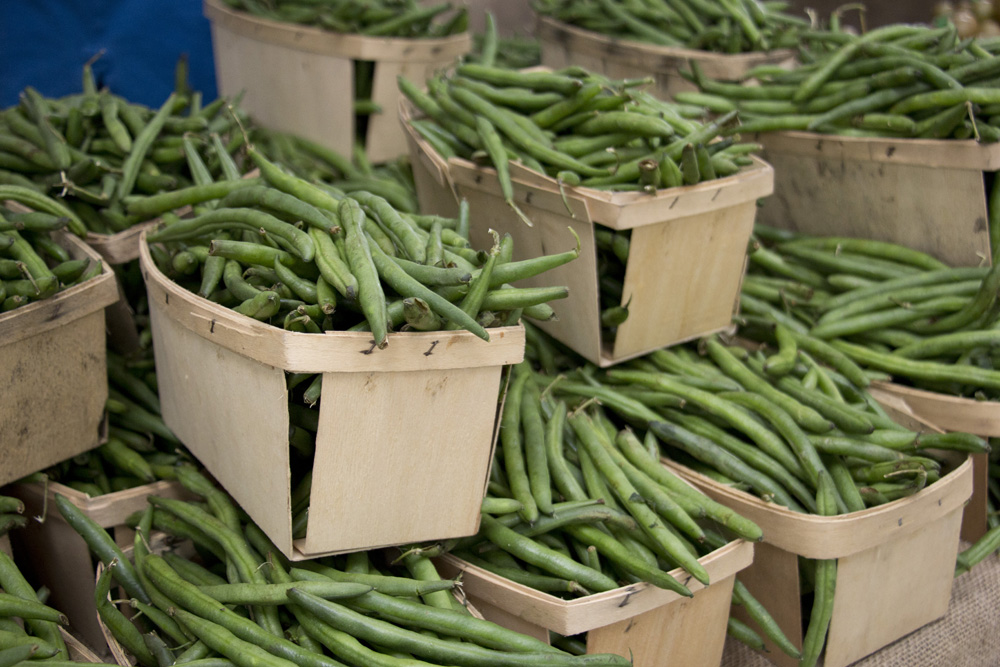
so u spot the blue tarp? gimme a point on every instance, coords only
(45, 43)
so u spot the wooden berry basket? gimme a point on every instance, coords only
(62, 559)
(953, 413)
(53, 372)
(687, 256)
(300, 79)
(880, 552)
(406, 433)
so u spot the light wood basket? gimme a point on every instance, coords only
(652, 626)
(881, 552)
(53, 372)
(406, 433)
(300, 79)
(687, 252)
(62, 560)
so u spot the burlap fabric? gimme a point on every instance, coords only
(967, 636)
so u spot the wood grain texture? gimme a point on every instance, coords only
(691, 631)
(876, 601)
(928, 195)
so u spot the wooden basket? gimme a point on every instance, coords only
(300, 79)
(60, 559)
(651, 625)
(954, 413)
(406, 433)
(564, 45)
(927, 194)
(687, 256)
(53, 373)
(895, 562)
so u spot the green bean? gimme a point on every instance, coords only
(371, 298)
(140, 146)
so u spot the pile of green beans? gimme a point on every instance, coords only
(318, 164)
(723, 26)
(241, 602)
(384, 18)
(797, 431)
(612, 258)
(894, 81)
(563, 474)
(96, 151)
(29, 628)
(33, 266)
(314, 259)
(891, 309)
(578, 127)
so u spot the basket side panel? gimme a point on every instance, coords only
(691, 631)
(937, 210)
(232, 413)
(891, 590)
(54, 387)
(683, 277)
(287, 89)
(431, 429)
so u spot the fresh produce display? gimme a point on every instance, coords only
(385, 18)
(890, 309)
(578, 127)
(576, 506)
(724, 26)
(895, 81)
(95, 151)
(351, 610)
(356, 264)
(796, 430)
(887, 308)
(587, 492)
(33, 265)
(583, 130)
(359, 265)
